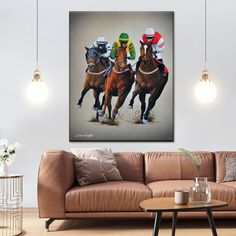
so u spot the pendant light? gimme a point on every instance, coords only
(37, 91)
(205, 90)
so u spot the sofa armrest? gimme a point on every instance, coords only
(55, 177)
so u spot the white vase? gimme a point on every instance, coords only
(3, 168)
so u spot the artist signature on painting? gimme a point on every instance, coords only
(87, 136)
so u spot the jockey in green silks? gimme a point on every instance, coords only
(124, 41)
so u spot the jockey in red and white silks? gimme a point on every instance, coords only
(156, 40)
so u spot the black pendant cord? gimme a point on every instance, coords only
(37, 34)
(205, 32)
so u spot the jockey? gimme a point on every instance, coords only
(124, 41)
(104, 49)
(156, 40)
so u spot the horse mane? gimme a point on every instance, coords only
(121, 48)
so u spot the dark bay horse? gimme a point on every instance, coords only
(118, 83)
(95, 78)
(149, 80)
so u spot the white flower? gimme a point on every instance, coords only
(8, 152)
(2, 153)
(17, 145)
(3, 142)
(11, 148)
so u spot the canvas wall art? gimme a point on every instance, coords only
(121, 76)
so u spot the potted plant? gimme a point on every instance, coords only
(7, 154)
(200, 190)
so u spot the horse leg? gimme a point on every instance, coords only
(109, 110)
(96, 94)
(142, 97)
(106, 103)
(151, 103)
(103, 100)
(85, 90)
(153, 98)
(135, 93)
(162, 85)
(131, 103)
(120, 101)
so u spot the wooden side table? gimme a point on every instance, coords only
(167, 204)
(11, 204)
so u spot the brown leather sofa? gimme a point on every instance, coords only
(148, 175)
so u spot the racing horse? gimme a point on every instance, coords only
(149, 80)
(95, 77)
(119, 83)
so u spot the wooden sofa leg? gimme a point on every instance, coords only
(47, 223)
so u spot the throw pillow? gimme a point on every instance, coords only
(230, 169)
(103, 158)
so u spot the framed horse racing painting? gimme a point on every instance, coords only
(121, 76)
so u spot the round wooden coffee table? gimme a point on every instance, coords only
(167, 204)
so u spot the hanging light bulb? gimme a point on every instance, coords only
(205, 90)
(37, 91)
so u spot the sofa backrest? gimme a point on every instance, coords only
(130, 165)
(220, 164)
(174, 166)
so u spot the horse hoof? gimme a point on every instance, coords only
(95, 108)
(130, 107)
(100, 114)
(79, 106)
(145, 121)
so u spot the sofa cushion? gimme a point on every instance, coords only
(220, 164)
(231, 184)
(230, 169)
(218, 191)
(94, 165)
(174, 166)
(130, 165)
(108, 196)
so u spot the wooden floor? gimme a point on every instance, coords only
(33, 226)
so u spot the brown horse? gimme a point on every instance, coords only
(149, 80)
(95, 78)
(118, 83)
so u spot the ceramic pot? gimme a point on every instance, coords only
(3, 168)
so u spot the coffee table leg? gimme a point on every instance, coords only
(174, 220)
(211, 222)
(157, 223)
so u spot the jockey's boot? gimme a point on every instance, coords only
(162, 67)
(108, 67)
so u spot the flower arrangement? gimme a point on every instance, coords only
(194, 160)
(8, 151)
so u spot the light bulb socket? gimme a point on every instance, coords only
(37, 76)
(205, 75)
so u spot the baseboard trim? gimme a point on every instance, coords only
(30, 209)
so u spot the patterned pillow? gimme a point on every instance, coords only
(94, 165)
(230, 169)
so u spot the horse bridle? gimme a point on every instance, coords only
(148, 61)
(96, 60)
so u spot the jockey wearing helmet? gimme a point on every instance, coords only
(156, 40)
(104, 49)
(124, 41)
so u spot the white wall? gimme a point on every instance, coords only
(38, 128)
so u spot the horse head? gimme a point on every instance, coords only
(121, 59)
(146, 52)
(92, 57)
